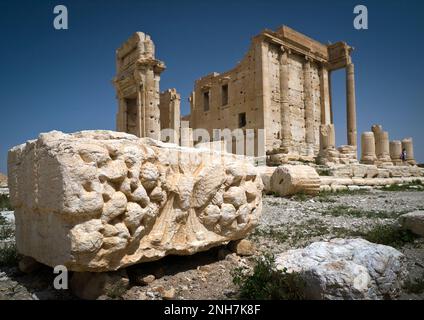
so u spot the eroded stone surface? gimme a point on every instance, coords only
(347, 269)
(101, 200)
(290, 179)
(413, 221)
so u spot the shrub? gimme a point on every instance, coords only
(390, 235)
(5, 202)
(8, 255)
(415, 286)
(266, 282)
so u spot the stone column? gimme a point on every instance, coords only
(266, 93)
(325, 96)
(368, 148)
(186, 135)
(330, 96)
(121, 117)
(151, 107)
(327, 137)
(309, 107)
(351, 105)
(408, 146)
(286, 135)
(382, 145)
(395, 151)
(170, 115)
(327, 144)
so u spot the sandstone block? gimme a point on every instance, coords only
(102, 200)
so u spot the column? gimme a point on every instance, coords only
(330, 96)
(408, 146)
(151, 106)
(325, 96)
(351, 105)
(309, 107)
(395, 151)
(368, 148)
(286, 136)
(121, 117)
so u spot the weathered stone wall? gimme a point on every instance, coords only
(255, 87)
(245, 92)
(101, 200)
(137, 87)
(170, 116)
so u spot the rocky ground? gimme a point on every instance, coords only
(285, 224)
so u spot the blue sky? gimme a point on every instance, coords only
(61, 80)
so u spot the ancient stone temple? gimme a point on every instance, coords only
(137, 87)
(282, 84)
(275, 104)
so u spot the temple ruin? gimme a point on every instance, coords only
(278, 99)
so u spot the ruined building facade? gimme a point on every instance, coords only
(283, 85)
(278, 99)
(137, 89)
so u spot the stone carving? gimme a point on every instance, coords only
(347, 269)
(291, 179)
(102, 200)
(328, 152)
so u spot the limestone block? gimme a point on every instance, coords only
(242, 247)
(413, 221)
(266, 174)
(359, 170)
(399, 171)
(101, 200)
(383, 173)
(372, 171)
(341, 170)
(347, 269)
(291, 179)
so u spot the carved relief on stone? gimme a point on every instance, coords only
(102, 200)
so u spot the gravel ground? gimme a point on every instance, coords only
(285, 224)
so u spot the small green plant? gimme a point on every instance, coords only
(415, 286)
(300, 197)
(343, 210)
(8, 255)
(390, 235)
(266, 282)
(5, 202)
(6, 232)
(415, 185)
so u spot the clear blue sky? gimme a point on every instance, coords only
(61, 80)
